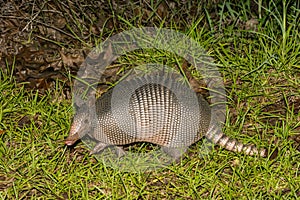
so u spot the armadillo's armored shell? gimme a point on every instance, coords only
(155, 109)
(160, 110)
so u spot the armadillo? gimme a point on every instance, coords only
(156, 114)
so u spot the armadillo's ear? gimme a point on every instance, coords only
(75, 106)
(82, 109)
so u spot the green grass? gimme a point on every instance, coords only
(261, 70)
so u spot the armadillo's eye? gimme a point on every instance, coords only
(86, 121)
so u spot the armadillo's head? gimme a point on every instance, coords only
(81, 122)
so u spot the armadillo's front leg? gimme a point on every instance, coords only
(101, 146)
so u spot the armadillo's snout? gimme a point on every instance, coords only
(73, 135)
(71, 139)
(79, 125)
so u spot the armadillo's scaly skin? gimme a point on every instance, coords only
(155, 112)
(149, 124)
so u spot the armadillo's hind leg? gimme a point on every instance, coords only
(101, 146)
(119, 151)
(175, 152)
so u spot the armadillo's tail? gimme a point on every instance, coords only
(218, 137)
